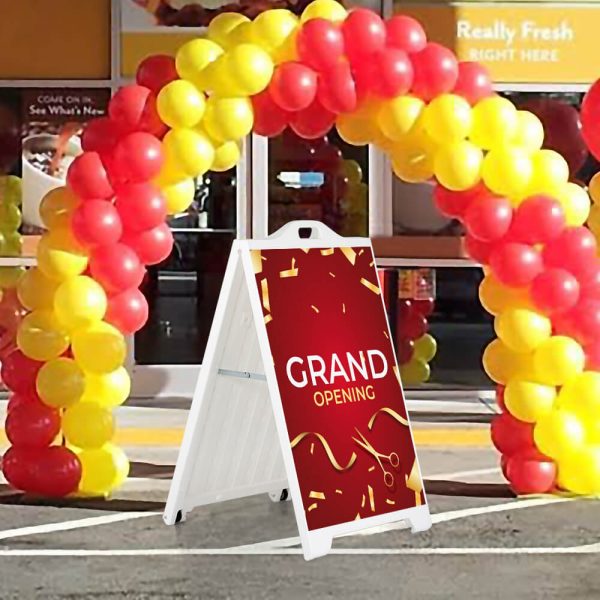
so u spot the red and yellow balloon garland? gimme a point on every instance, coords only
(378, 82)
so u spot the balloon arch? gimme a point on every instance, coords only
(379, 82)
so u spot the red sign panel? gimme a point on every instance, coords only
(339, 383)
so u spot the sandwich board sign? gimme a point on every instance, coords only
(300, 390)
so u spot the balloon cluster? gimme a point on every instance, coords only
(10, 215)
(415, 347)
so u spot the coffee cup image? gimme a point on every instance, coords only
(43, 171)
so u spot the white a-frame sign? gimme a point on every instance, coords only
(300, 389)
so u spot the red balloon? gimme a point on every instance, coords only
(412, 326)
(96, 223)
(515, 264)
(538, 220)
(562, 129)
(424, 306)
(477, 250)
(88, 178)
(585, 318)
(32, 425)
(473, 83)
(364, 34)
(405, 33)
(18, 466)
(455, 204)
(152, 246)
(270, 120)
(133, 108)
(554, 291)
(320, 44)
(388, 73)
(116, 267)
(500, 398)
(312, 122)
(405, 349)
(127, 311)
(530, 476)
(100, 135)
(575, 249)
(18, 399)
(138, 157)
(404, 307)
(488, 219)
(590, 284)
(510, 436)
(592, 356)
(435, 71)
(337, 90)
(590, 117)
(156, 71)
(141, 206)
(293, 86)
(58, 472)
(20, 372)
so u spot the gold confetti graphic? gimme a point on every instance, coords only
(312, 448)
(370, 286)
(357, 517)
(338, 492)
(388, 501)
(256, 259)
(314, 308)
(313, 506)
(414, 483)
(317, 495)
(332, 274)
(264, 286)
(305, 250)
(387, 337)
(371, 263)
(334, 463)
(327, 252)
(350, 255)
(362, 504)
(371, 498)
(361, 252)
(344, 308)
(371, 469)
(392, 413)
(268, 319)
(293, 272)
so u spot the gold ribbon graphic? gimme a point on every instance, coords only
(414, 483)
(392, 413)
(335, 464)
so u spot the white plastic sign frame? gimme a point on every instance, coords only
(236, 441)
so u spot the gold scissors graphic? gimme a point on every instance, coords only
(392, 458)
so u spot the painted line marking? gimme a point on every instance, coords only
(77, 524)
(455, 474)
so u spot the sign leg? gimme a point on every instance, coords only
(316, 544)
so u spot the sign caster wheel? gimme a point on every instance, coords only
(282, 496)
(180, 517)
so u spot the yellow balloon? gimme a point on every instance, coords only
(80, 301)
(10, 218)
(496, 297)
(228, 119)
(579, 472)
(99, 348)
(581, 394)
(227, 156)
(354, 130)
(87, 425)
(41, 336)
(415, 372)
(575, 203)
(242, 34)
(109, 389)
(558, 433)
(558, 359)
(522, 329)
(193, 58)
(501, 363)
(10, 277)
(60, 256)
(221, 27)
(11, 189)
(425, 348)
(250, 68)
(457, 166)
(398, 116)
(594, 188)
(57, 208)
(179, 195)
(324, 9)
(35, 290)
(102, 470)
(180, 104)
(528, 401)
(448, 119)
(507, 170)
(591, 424)
(190, 149)
(593, 221)
(550, 170)
(495, 122)
(530, 131)
(60, 383)
(272, 28)
(413, 158)
(13, 243)
(352, 171)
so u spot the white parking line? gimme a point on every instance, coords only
(456, 474)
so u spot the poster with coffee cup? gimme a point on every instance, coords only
(51, 124)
